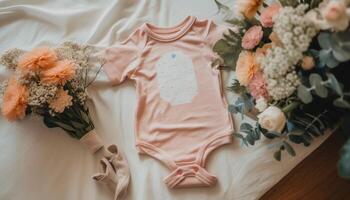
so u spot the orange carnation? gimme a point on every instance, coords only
(62, 72)
(62, 100)
(249, 7)
(246, 67)
(39, 58)
(14, 103)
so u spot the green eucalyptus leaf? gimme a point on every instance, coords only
(340, 42)
(222, 47)
(297, 139)
(237, 135)
(232, 109)
(341, 103)
(277, 155)
(254, 135)
(304, 94)
(334, 84)
(230, 60)
(341, 55)
(289, 148)
(246, 126)
(327, 58)
(344, 161)
(271, 135)
(324, 39)
(236, 87)
(250, 139)
(247, 132)
(307, 139)
(244, 141)
(257, 133)
(321, 91)
(314, 53)
(315, 79)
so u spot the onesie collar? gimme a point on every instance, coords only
(168, 34)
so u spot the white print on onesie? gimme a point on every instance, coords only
(176, 78)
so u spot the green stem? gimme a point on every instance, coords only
(94, 78)
(290, 107)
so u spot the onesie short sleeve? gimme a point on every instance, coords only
(121, 59)
(215, 32)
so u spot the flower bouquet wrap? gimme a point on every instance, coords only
(291, 60)
(52, 83)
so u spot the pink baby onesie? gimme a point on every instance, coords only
(181, 113)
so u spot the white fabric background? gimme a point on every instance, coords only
(40, 163)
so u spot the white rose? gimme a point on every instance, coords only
(335, 14)
(261, 104)
(272, 119)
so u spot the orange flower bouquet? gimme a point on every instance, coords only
(52, 83)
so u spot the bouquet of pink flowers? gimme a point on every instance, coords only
(52, 83)
(291, 64)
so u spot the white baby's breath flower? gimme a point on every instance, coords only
(10, 58)
(39, 94)
(261, 104)
(296, 32)
(3, 86)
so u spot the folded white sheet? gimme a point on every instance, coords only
(40, 163)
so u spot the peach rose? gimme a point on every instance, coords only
(246, 67)
(14, 103)
(261, 104)
(39, 58)
(308, 63)
(266, 17)
(335, 15)
(62, 72)
(252, 37)
(249, 7)
(62, 100)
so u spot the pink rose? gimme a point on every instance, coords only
(257, 86)
(252, 37)
(266, 17)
